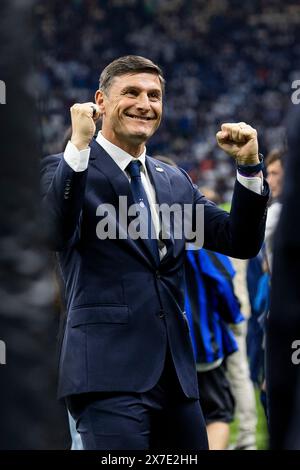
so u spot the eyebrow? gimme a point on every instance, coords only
(137, 88)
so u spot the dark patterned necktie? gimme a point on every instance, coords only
(140, 198)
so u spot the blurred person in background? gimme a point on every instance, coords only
(254, 338)
(210, 307)
(274, 164)
(275, 173)
(259, 276)
(238, 371)
(237, 366)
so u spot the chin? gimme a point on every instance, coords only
(140, 135)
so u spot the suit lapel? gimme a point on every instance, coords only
(110, 169)
(161, 182)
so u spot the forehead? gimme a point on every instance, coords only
(144, 81)
(274, 166)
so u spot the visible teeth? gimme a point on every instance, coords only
(138, 117)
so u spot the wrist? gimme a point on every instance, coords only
(251, 169)
(80, 144)
(253, 160)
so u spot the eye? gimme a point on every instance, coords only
(131, 92)
(154, 95)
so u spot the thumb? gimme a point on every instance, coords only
(222, 135)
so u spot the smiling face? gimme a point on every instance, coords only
(275, 177)
(131, 110)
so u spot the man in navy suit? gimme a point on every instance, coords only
(126, 366)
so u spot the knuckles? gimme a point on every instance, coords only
(81, 108)
(237, 131)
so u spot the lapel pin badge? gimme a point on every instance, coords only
(159, 168)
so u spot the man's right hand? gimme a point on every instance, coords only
(83, 123)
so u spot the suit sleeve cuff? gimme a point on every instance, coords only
(77, 159)
(254, 183)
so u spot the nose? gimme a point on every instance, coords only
(143, 103)
(272, 183)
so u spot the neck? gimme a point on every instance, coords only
(134, 149)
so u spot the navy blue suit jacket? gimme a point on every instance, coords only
(122, 308)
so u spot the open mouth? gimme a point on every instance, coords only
(140, 118)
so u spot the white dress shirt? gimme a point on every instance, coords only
(271, 225)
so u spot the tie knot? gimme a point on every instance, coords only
(134, 168)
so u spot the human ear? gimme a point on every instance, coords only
(99, 100)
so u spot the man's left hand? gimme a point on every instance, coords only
(239, 140)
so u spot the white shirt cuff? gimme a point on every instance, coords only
(254, 183)
(78, 160)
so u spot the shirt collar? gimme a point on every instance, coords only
(120, 157)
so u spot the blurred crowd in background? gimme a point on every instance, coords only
(224, 62)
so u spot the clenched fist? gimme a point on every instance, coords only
(83, 117)
(240, 141)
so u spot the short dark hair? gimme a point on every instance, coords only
(273, 156)
(129, 64)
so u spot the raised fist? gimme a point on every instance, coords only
(239, 140)
(83, 117)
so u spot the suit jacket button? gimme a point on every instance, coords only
(157, 274)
